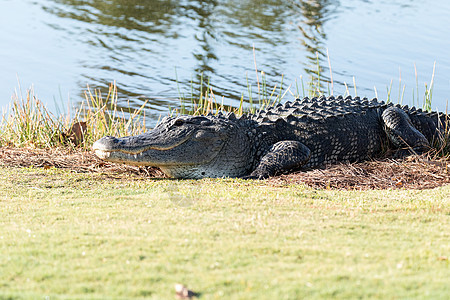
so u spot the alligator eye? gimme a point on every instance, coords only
(178, 122)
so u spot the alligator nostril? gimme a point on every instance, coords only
(106, 143)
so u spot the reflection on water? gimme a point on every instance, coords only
(142, 42)
(313, 37)
(145, 45)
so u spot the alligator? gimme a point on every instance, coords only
(306, 133)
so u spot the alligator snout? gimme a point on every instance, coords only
(104, 146)
(106, 143)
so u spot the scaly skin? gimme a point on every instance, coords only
(307, 133)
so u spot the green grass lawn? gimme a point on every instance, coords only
(66, 235)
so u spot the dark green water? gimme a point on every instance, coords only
(60, 46)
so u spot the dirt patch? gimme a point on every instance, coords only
(413, 173)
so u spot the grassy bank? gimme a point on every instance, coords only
(67, 235)
(118, 236)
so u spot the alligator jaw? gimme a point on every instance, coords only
(139, 159)
(129, 149)
(152, 149)
(147, 157)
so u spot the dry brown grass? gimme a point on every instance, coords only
(417, 172)
(76, 161)
(413, 173)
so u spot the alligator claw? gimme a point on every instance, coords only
(254, 177)
(407, 152)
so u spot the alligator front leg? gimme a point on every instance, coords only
(402, 133)
(281, 157)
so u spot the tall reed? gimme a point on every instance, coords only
(28, 123)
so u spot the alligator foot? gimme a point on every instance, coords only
(281, 157)
(403, 134)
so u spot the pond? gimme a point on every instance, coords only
(159, 50)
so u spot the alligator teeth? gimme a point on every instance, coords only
(102, 154)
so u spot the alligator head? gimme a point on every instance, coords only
(182, 147)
